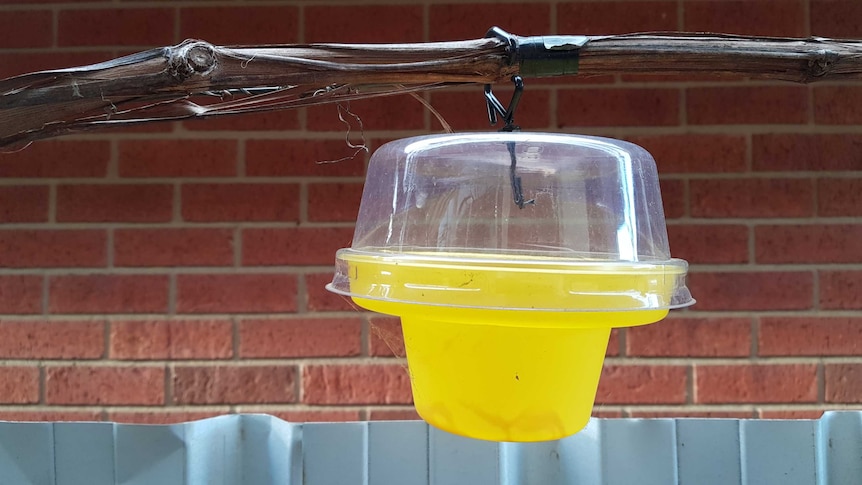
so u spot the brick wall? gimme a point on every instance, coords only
(174, 271)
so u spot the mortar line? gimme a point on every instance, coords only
(300, 24)
(301, 295)
(236, 338)
(241, 158)
(46, 296)
(755, 338)
(689, 386)
(553, 20)
(55, 27)
(169, 389)
(107, 328)
(109, 250)
(237, 247)
(303, 202)
(176, 201)
(113, 168)
(172, 295)
(365, 337)
(52, 206)
(42, 385)
(681, 361)
(751, 243)
(353, 313)
(821, 383)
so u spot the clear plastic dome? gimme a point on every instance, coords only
(544, 208)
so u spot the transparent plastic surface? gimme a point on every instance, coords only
(440, 224)
(509, 257)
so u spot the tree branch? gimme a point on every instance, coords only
(161, 84)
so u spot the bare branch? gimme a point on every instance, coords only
(182, 81)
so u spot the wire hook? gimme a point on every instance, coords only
(495, 107)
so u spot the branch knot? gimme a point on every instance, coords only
(190, 58)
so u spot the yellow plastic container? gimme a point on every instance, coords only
(509, 258)
(491, 367)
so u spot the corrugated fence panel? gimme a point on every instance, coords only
(263, 450)
(708, 461)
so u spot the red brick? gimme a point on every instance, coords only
(614, 343)
(302, 158)
(307, 337)
(799, 151)
(19, 385)
(53, 248)
(280, 121)
(241, 25)
(114, 203)
(774, 383)
(699, 77)
(455, 108)
(106, 293)
(40, 339)
(57, 159)
(293, 246)
(836, 18)
(709, 244)
(162, 417)
(833, 105)
(25, 28)
(178, 158)
(333, 202)
(41, 415)
(838, 197)
(573, 79)
(690, 413)
(236, 293)
(319, 299)
(600, 18)
(235, 384)
(385, 338)
(20, 294)
(171, 339)
(26, 203)
(16, 63)
(747, 105)
(387, 113)
(173, 247)
(105, 385)
(790, 290)
(120, 26)
(752, 198)
(673, 198)
(313, 415)
(240, 202)
(841, 290)
(638, 384)
(790, 414)
(815, 336)
(393, 415)
(775, 18)
(691, 337)
(470, 21)
(695, 153)
(618, 107)
(843, 383)
(356, 384)
(810, 243)
(364, 24)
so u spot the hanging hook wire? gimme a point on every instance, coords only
(495, 108)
